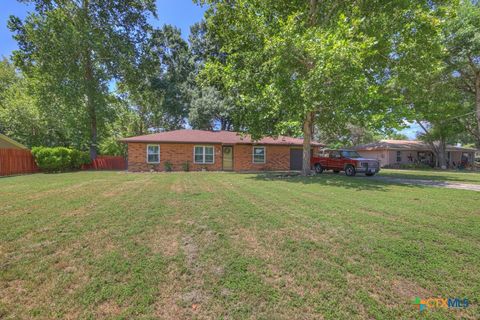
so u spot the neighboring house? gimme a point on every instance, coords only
(213, 151)
(15, 158)
(396, 152)
(7, 143)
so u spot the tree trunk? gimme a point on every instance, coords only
(309, 117)
(90, 89)
(90, 103)
(477, 105)
(441, 155)
(307, 138)
(439, 151)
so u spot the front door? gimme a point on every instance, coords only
(296, 159)
(227, 158)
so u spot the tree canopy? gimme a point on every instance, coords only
(89, 72)
(73, 50)
(291, 65)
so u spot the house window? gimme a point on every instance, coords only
(258, 154)
(203, 154)
(399, 156)
(153, 153)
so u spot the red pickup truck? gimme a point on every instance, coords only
(344, 160)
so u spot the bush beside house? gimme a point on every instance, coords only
(59, 159)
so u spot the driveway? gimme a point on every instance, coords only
(432, 183)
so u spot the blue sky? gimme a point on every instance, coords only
(181, 13)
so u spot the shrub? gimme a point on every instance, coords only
(78, 158)
(59, 159)
(421, 166)
(168, 166)
(186, 166)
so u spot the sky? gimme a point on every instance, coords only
(181, 13)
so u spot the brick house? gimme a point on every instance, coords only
(393, 153)
(213, 151)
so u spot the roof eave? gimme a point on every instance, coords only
(11, 141)
(216, 142)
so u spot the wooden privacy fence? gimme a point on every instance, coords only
(16, 161)
(107, 163)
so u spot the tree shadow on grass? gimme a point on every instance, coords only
(359, 182)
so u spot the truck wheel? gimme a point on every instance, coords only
(318, 168)
(369, 174)
(350, 171)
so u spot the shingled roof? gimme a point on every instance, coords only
(405, 145)
(221, 137)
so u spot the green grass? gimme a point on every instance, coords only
(92, 245)
(447, 175)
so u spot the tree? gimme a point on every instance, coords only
(204, 45)
(350, 135)
(423, 81)
(8, 77)
(73, 50)
(20, 117)
(158, 86)
(397, 136)
(462, 42)
(124, 123)
(210, 107)
(209, 110)
(293, 65)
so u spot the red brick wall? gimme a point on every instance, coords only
(176, 154)
(277, 157)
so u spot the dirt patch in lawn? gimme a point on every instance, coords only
(249, 238)
(108, 309)
(408, 290)
(163, 239)
(178, 187)
(191, 251)
(181, 295)
(168, 299)
(127, 186)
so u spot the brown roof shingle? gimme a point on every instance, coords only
(405, 145)
(203, 136)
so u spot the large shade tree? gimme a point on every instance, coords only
(73, 50)
(293, 64)
(20, 115)
(157, 88)
(462, 43)
(210, 107)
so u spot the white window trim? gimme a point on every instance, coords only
(203, 153)
(264, 155)
(154, 145)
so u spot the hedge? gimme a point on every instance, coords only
(59, 159)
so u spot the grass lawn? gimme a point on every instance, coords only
(94, 245)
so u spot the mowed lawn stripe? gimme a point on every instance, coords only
(415, 235)
(213, 245)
